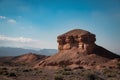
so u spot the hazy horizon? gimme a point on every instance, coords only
(37, 23)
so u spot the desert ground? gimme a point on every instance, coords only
(29, 73)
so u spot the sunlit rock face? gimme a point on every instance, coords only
(77, 38)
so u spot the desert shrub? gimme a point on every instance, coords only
(22, 63)
(4, 68)
(27, 70)
(66, 73)
(37, 72)
(58, 77)
(105, 71)
(3, 72)
(7, 63)
(40, 71)
(67, 69)
(17, 69)
(91, 77)
(59, 71)
(118, 65)
(35, 69)
(109, 73)
(12, 74)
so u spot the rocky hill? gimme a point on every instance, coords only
(28, 59)
(77, 49)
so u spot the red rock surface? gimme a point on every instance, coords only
(77, 38)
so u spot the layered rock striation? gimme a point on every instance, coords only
(83, 40)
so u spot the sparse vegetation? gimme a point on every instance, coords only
(90, 77)
(62, 74)
(27, 70)
(118, 65)
(109, 73)
(4, 68)
(11, 74)
(58, 77)
(67, 69)
(66, 73)
(3, 72)
(7, 63)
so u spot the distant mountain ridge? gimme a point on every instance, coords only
(10, 51)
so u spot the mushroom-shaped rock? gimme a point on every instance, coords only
(77, 38)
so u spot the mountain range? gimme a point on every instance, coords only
(10, 51)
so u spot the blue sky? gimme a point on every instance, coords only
(37, 23)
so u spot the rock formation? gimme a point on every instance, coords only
(77, 49)
(83, 40)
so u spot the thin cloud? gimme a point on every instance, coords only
(21, 42)
(16, 39)
(8, 20)
(11, 21)
(19, 16)
(2, 17)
